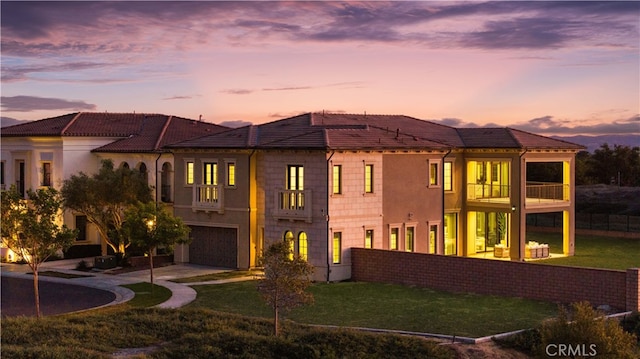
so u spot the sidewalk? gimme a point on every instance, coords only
(182, 294)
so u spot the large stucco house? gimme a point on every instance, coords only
(46, 152)
(331, 182)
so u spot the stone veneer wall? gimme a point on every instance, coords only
(618, 289)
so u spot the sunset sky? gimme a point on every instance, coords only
(546, 67)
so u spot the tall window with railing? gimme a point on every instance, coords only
(293, 198)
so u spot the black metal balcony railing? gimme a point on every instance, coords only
(293, 204)
(545, 192)
(207, 197)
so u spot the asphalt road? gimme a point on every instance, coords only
(17, 297)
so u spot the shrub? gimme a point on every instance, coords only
(631, 324)
(589, 330)
(83, 266)
(526, 341)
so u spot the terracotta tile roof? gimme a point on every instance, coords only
(47, 127)
(531, 140)
(132, 132)
(505, 137)
(328, 131)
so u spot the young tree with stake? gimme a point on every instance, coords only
(285, 281)
(149, 226)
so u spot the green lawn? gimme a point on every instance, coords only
(146, 295)
(593, 251)
(218, 276)
(388, 306)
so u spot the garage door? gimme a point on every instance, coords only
(214, 246)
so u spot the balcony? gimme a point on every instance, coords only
(293, 205)
(545, 192)
(207, 198)
(493, 193)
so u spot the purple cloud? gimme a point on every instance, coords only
(33, 103)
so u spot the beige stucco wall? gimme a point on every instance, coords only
(236, 200)
(271, 178)
(410, 200)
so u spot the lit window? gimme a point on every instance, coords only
(368, 238)
(368, 178)
(46, 174)
(448, 176)
(295, 178)
(433, 234)
(337, 179)
(450, 224)
(210, 173)
(393, 239)
(288, 237)
(231, 174)
(303, 249)
(433, 174)
(409, 239)
(189, 172)
(337, 247)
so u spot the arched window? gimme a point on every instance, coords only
(143, 171)
(303, 250)
(288, 236)
(124, 165)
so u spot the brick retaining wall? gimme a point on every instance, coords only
(494, 277)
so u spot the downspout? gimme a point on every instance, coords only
(326, 216)
(157, 159)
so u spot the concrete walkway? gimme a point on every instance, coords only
(181, 294)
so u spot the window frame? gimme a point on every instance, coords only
(447, 176)
(410, 245)
(303, 251)
(230, 175)
(368, 239)
(434, 175)
(214, 172)
(369, 172)
(336, 179)
(298, 174)
(47, 176)
(189, 173)
(336, 245)
(431, 225)
(396, 246)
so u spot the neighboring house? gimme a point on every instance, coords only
(331, 182)
(46, 152)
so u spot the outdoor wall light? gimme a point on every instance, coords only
(513, 208)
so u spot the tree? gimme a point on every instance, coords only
(620, 165)
(285, 280)
(104, 197)
(150, 226)
(29, 228)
